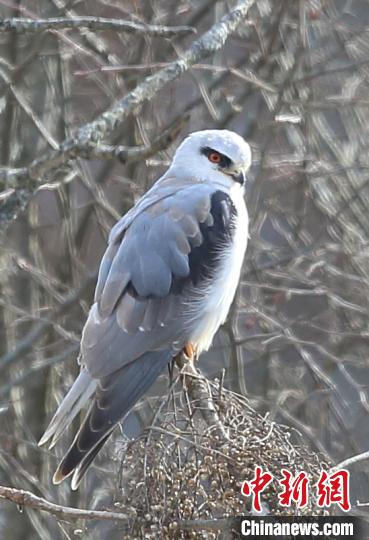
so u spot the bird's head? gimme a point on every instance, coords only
(213, 155)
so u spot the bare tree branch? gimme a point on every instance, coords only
(26, 498)
(22, 101)
(12, 201)
(38, 330)
(88, 136)
(199, 391)
(364, 456)
(21, 25)
(127, 154)
(67, 352)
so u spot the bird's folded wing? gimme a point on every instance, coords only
(167, 186)
(144, 280)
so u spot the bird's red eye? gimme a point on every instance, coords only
(214, 157)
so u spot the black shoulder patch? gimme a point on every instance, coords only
(204, 259)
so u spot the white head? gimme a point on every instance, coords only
(213, 155)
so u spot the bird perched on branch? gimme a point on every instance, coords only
(166, 283)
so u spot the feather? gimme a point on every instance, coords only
(81, 391)
(130, 313)
(115, 395)
(151, 315)
(104, 269)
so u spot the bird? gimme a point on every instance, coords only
(165, 285)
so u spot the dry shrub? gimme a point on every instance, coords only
(185, 471)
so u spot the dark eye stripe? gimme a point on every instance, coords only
(224, 162)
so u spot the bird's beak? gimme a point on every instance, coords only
(239, 176)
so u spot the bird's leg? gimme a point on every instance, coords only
(190, 351)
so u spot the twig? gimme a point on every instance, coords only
(38, 330)
(129, 154)
(175, 435)
(25, 106)
(88, 136)
(67, 352)
(126, 154)
(201, 396)
(350, 461)
(22, 25)
(14, 200)
(26, 498)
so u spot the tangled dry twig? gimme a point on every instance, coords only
(185, 472)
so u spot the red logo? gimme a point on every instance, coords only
(330, 489)
(256, 486)
(334, 489)
(294, 489)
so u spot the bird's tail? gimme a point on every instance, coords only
(77, 397)
(115, 395)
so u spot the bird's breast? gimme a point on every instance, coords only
(215, 296)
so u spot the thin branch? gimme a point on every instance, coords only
(89, 135)
(350, 461)
(130, 154)
(13, 200)
(22, 25)
(68, 513)
(39, 329)
(125, 154)
(24, 105)
(199, 391)
(67, 352)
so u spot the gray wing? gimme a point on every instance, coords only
(138, 304)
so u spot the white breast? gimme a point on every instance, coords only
(213, 305)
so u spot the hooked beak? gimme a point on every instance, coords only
(239, 177)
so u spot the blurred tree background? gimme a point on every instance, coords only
(294, 81)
